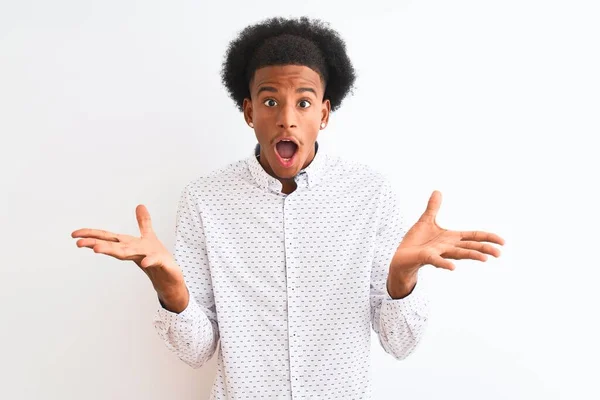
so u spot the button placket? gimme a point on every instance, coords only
(290, 298)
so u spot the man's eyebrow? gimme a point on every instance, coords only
(306, 89)
(266, 89)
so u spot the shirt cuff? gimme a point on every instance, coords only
(165, 318)
(416, 301)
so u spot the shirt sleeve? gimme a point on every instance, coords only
(193, 333)
(399, 323)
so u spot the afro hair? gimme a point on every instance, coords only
(280, 41)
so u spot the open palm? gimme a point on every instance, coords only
(426, 243)
(146, 251)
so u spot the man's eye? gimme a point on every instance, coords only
(304, 104)
(270, 103)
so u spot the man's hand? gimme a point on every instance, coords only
(147, 252)
(426, 243)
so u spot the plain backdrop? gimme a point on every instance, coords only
(108, 104)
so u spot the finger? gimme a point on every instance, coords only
(143, 218)
(480, 236)
(117, 250)
(433, 206)
(464, 254)
(440, 262)
(88, 242)
(97, 234)
(480, 247)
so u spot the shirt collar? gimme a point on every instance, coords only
(308, 177)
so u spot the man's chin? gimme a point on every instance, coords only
(285, 173)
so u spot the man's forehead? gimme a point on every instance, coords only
(294, 75)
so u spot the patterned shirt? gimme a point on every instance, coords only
(286, 288)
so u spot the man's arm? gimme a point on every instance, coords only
(186, 320)
(398, 314)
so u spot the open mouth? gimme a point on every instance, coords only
(286, 151)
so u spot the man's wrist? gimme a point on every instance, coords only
(175, 300)
(400, 286)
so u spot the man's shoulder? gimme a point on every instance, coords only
(360, 171)
(218, 178)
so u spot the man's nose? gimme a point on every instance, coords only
(287, 117)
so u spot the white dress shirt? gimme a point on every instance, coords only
(290, 284)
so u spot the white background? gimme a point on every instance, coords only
(108, 104)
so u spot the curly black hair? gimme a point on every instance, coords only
(281, 41)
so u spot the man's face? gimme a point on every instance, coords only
(286, 103)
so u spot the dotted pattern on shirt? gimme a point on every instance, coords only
(287, 288)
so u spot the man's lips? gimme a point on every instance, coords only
(288, 161)
(288, 138)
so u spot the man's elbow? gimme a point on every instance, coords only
(402, 353)
(400, 348)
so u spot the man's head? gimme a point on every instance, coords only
(287, 75)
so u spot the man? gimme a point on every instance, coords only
(285, 260)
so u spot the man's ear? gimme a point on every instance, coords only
(325, 111)
(247, 106)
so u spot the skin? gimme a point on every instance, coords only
(286, 101)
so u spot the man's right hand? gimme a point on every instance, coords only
(147, 252)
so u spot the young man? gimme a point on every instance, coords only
(285, 260)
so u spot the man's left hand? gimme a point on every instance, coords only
(426, 243)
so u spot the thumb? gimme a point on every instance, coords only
(150, 261)
(433, 206)
(144, 221)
